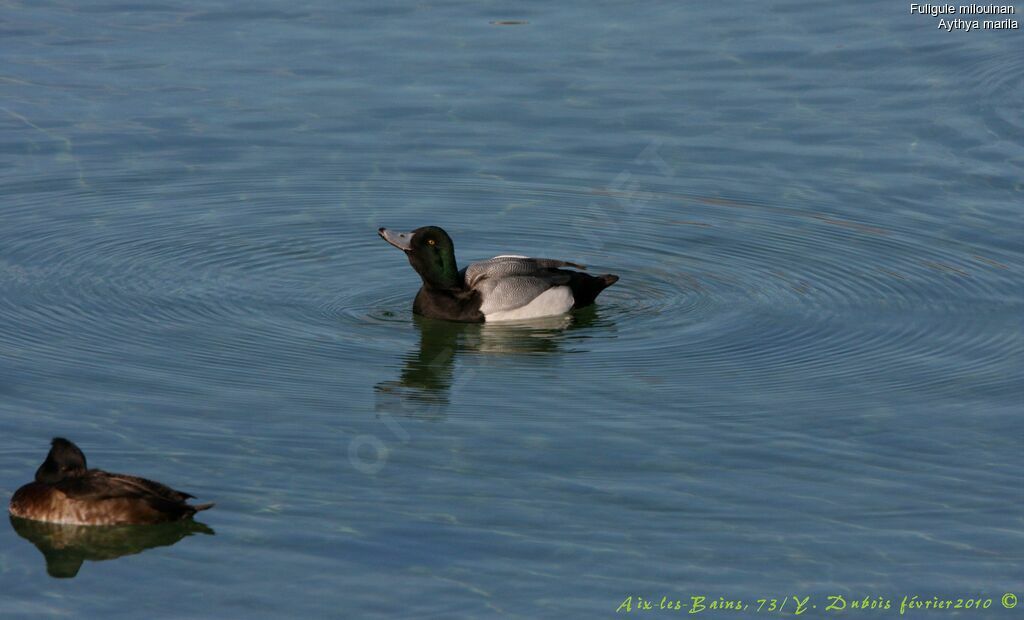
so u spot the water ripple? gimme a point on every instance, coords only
(762, 297)
(1000, 87)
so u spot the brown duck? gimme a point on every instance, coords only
(66, 491)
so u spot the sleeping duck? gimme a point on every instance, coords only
(504, 288)
(66, 491)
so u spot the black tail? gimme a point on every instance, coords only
(586, 288)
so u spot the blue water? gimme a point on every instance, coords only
(807, 381)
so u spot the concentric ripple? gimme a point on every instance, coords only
(1000, 87)
(723, 295)
(765, 299)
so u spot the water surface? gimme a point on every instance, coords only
(806, 381)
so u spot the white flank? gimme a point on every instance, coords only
(557, 300)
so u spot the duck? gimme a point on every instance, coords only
(66, 491)
(508, 287)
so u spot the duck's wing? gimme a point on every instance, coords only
(508, 265)
(510, 282)
(99, 485)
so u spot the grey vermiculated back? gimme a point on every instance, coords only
(505, 266)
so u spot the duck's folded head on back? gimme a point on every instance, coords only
(504, 288)
(64, 461)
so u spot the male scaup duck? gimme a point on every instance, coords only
(504, 288)
(66, 491)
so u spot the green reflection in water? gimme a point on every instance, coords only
(65, 547)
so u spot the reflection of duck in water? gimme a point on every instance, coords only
(65, 547)
(66, 491)
(428, 371)
(504, 288)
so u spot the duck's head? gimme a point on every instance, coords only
(65, 460)
(431, 253)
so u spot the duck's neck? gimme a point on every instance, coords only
(439, 272)
(444, 282)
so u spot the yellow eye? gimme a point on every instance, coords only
(431, 242)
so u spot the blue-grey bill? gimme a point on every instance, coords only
(400, 240)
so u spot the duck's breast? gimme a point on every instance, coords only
(41, 502)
